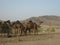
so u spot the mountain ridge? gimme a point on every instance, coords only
(47, 20)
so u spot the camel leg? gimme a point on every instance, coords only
(25, 32)
(29, 31)
(21, 32)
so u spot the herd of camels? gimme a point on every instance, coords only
(19, 28)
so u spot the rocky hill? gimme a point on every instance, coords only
(47, 20)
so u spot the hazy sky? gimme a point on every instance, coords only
(22, 9)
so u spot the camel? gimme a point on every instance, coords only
(6, 28)
(18, 28)
(30, 26)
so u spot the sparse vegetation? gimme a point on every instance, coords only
(53, 29)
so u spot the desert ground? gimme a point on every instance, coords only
(43, 38)
(40, 39)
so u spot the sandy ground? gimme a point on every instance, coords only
(40, 42)
(41, 39)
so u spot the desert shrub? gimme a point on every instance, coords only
(47, 30)
(40, 29)
(53, 29)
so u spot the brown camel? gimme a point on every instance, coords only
(30, 26)
(18, 28)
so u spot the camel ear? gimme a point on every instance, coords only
(30, 20)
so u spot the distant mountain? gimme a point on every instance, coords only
(48, 20)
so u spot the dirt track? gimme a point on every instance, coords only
(43, 39)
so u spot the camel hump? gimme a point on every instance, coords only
(30, 21)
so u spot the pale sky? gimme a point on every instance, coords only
(23, 9)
